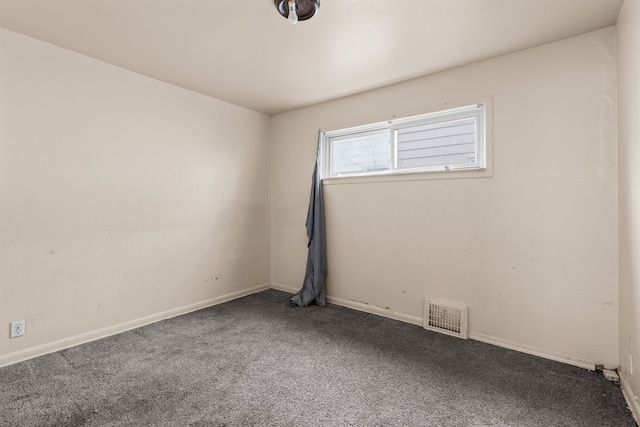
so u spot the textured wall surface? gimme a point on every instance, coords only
(628, 31)
(532, 250)
(121, 197)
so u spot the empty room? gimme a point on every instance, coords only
(319, 212)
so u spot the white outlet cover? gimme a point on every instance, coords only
(17, 328)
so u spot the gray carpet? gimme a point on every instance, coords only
(257, 361)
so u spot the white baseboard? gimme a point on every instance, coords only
(62, 344)
(631, 399)
(536, 351)
(360, 306)
(43, 349)
(372, 309)
(283, 288)
(381, 311)
(357, 305)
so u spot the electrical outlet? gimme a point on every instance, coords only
(17, 328)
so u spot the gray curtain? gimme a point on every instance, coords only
(314, 279)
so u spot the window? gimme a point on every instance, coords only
(443, 141)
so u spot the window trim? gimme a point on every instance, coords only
(483, 148)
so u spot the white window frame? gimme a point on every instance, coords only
(480, 109)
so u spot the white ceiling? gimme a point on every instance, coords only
(244, 52)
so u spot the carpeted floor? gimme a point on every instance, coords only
(258, 362)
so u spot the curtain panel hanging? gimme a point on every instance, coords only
(313, 286)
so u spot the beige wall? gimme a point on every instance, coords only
(628, 30)
(532, 250)
(122, 199)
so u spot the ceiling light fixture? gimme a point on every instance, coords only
(297, 10)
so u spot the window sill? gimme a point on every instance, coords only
(410, 176)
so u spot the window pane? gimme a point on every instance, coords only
(440, 141)
(446, 143)
(360, 154)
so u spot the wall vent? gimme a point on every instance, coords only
(445, 317)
